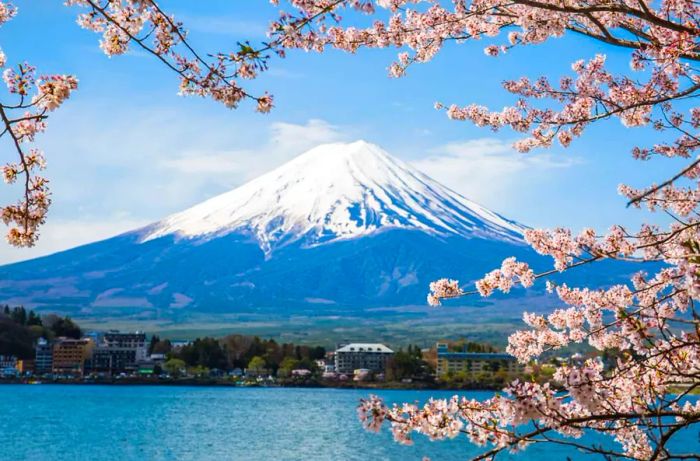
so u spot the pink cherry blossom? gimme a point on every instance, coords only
(645, 320)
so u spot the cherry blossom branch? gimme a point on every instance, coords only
(24, 217)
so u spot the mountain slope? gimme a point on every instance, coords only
(340, 229)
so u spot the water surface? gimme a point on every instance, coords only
(125, 423)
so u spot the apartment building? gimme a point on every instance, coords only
(69, 356)
(474, 363)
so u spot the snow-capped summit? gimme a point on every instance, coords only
(334, 192)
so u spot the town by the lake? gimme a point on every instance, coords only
(63, 353)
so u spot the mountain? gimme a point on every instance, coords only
(341, 229)
(336, 192)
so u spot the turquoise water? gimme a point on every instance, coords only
(124, 423)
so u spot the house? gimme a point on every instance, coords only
(236, 373)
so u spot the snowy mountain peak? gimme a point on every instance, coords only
(333, 192)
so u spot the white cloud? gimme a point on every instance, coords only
(487, 168)
(294, 137)
(204, 163)
(152, 162)
(61, 234)
(284, 141)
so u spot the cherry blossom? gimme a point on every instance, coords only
(649, 323)
(122, 25)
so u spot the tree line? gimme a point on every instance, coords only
(21, 328)
(239, 351)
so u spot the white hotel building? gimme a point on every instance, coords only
(369, 356)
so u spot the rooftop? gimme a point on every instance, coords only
(365, 347)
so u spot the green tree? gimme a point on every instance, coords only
(199, 371)
(15, 339)
(237, 347)
(206, 352)
(62, 326)
(33, 319)
(152, 343)
(36, 332)
(163, 346)
(257, 348)
(288, 364)
(404, 364)
(257, 365)
(19, 315)
(174, 367)
(317, 353)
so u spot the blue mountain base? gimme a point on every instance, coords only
(180, 278)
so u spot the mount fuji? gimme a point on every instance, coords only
(340, 229)
(332, 193)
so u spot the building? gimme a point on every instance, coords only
(69, 356)
(43, 358)
(118, 353)
(25, 367)
(325, 365)
(146, 368)
(128, 341)
(8, 366)
(354, 356)
(361, 374)
(8, 361)
(474, 363)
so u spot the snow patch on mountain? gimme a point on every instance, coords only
(335, 192)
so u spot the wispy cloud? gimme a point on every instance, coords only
(283, 142)
(204, 163)
(296, 138)
(484, 168)
(61, 234)
(162, 164)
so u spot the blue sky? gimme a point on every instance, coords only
(126, 150)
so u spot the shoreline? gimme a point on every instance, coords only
(217, 383)
(214, 383)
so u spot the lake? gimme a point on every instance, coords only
(124, 423)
